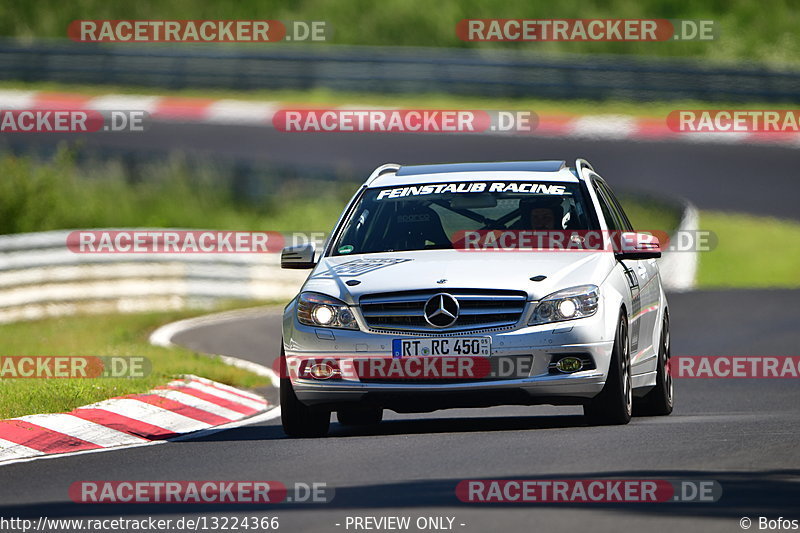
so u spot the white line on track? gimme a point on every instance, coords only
(163, 336)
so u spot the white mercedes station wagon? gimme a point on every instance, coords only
(475, 285)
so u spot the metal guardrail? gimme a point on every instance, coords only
(392, 70)
(40, 276)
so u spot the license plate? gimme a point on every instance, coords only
(452, 346)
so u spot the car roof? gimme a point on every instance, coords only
(465, 172)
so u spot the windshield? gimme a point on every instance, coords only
(430, 216)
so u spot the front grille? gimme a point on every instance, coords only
(478, 309)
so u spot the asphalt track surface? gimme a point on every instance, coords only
(742, 433)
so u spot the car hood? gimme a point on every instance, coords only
(451, 269)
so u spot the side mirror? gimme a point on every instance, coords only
(637, 246)
(298, 257)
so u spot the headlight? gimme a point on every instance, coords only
(575, 302)
(314, 309)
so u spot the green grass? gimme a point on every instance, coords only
(57, 193)
(325, 97)
(748, 30)
(751, 252)
(649, 214)
(118, 335)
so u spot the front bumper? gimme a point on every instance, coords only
(555, 390)
(590, 336)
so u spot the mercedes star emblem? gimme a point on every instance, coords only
(441, 310)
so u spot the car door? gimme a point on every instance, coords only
(646, 273)
(631, 269)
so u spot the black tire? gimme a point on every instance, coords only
(614, 404)
(658, 402)
(360, 416)
(298, 419)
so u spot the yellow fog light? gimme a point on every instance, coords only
(569, 364)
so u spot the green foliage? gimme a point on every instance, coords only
(748, 29)
(60, 194)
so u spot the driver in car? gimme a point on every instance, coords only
(540, 215)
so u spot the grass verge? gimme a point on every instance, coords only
(649, 214)
(118, 335)
(41, 195)
(756, 252)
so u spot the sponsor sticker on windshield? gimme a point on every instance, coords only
(475, 187)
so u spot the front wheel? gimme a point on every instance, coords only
(658, 402)
(614, 404)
